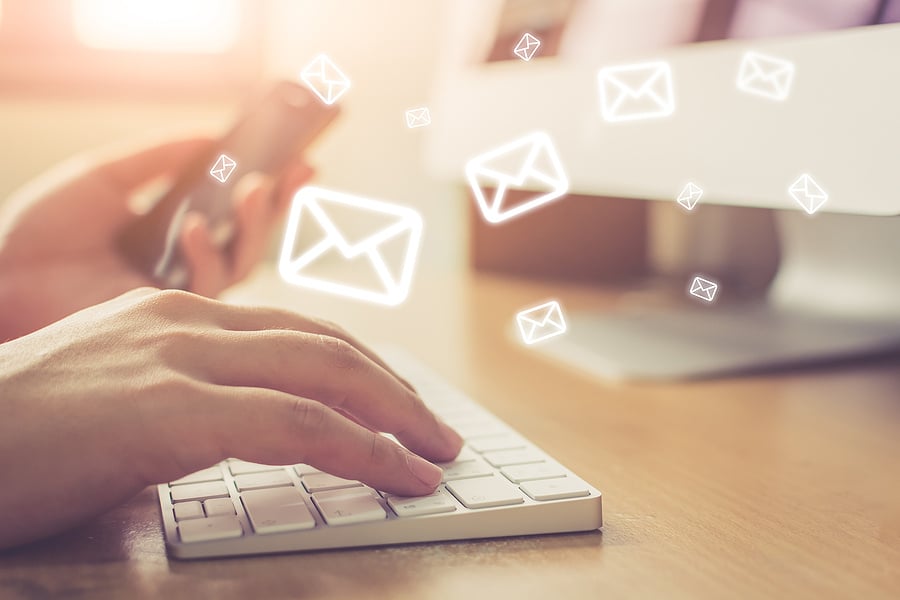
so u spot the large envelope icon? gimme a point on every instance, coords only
(704, 289)
(766, 76)
(638, 91)
(541, 322)
(530, 164)
(808, 194)
(362, 251)
(324, 78)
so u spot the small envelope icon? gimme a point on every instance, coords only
(223, 168)
(528, 163)
(541, 322)
(704, 289)
(638, 91)
(808, 194)
(766, 76)
(376, 241)
(418, 117)
(526, 47)
(324, 78)
(690, 196)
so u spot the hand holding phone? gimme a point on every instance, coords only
(275, 128)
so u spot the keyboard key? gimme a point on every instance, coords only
(275, 510)
(492, 443)
(199, 491)
(302, 470)
(347, 508)
(544, 470)
(210, 474)
(464, 455)
(479, 429)
(503, 458)
(465, 469)
(211, 528)
(485, 492)
(266, 479)
(188, 510)
(241, 467)
(219, 507)
(556, 489)
(320, 482)
(438, 502)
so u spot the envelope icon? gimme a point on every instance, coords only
(637, 91)
(530, 163)
(526, 47)
(418, 117)
(704, 289)
(690, 196)
(808, 194)
(766, 76)
(324, 78)
(375, 242)
(223, 168)
(541, 322)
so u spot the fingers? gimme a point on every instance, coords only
(294, 177)
(255, 217)
(335, 373)
(206, 261)
(250, 318)
(275, 428)
(134, 169)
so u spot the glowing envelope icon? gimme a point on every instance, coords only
(530, 164)
(690, 196)
(704, 289)
(808, 194)
(527, 47)
(377, 243)
(541, 322)
(324, 78)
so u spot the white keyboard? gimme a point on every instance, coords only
(500, 485)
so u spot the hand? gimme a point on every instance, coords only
(57, 235)
(152, 385)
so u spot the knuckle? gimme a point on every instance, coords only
(340, 353)
(333, 328)
(168, 303)
(309, 417)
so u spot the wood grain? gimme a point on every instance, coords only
(782, 486)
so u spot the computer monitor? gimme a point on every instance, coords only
(837, 291)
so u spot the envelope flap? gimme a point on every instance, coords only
(519, 160)
(542, 315)
(639, 80)
(768, 67)
(356, 224)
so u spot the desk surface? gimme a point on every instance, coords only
(771, 486)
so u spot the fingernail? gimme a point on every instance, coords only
(424, 471)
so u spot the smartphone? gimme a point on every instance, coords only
(275, 127)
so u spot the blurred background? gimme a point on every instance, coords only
(78, 74)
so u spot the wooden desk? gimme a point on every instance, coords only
(783, 486)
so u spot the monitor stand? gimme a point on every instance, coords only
(836, 296)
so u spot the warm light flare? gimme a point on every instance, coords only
(199, 26)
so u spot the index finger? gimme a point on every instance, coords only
(254, 318)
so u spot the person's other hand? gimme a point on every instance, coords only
(57, 234)
(151, 386)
